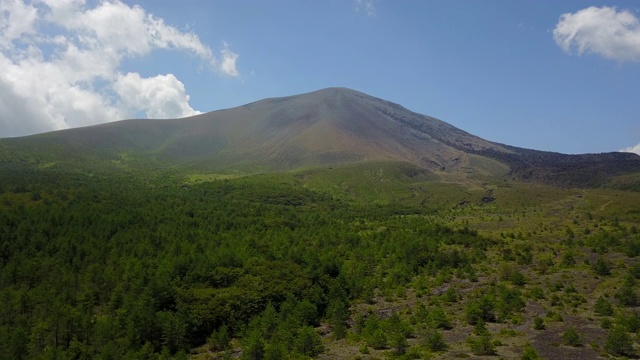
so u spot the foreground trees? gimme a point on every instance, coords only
(262, 267)
(114, 267)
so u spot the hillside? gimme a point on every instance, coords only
(329, 127)
(328, 225)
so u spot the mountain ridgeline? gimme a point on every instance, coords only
(325, 128)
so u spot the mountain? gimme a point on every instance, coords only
(329, 127)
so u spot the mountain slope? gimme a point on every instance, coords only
(328, 127)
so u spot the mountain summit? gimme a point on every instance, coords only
(329, 127)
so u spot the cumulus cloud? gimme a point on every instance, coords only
(632, 149)
(366, 6)
(16, 19)
(606, 31)
(162, 96)
(61, 64)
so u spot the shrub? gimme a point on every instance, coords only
(627, 295)
(529, 353)
(630, 321)
(482, 345)
(602, 267)
(619, 342)
(554, 316)
(538, 323)
(536, 292)
(603, 307)
(439, 319)
(480, 309)
(518, 279)
(274, 352)
(571, 337)
(400, 344)
(450, 296)
(435, 340)
(378, 340)
(568, 259)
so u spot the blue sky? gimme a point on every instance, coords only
(515, 72)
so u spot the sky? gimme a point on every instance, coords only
(549, 75)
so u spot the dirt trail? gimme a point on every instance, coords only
(605, 205)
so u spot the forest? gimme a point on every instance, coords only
(118, 265)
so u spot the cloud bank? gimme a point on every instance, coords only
(632, 149)
(611, 33)
(61, 60)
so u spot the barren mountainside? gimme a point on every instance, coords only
(329, 127)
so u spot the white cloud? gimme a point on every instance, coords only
(366, 6)
(69, 74)
(162, 96)
(632, 149)
(611, 33)
(228, 63)
(16, 19)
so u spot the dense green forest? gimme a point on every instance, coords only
(117, 266)
(122, 266)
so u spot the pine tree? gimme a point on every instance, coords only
(619, 342)
(308, 342)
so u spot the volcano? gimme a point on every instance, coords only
(329, 127)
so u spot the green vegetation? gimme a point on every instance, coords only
(529, 353)
(125, 264)
(619, 342)
(571, 337)
(482, 343)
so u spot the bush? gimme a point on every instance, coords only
(538, 323)
(439, 319)
(529, 353)
(274, 352)
(536, 292)
(554, 316)
(450, 296)
(482, 345)
(568, 259)
(518, 279)
(480, 309)
(630, 321)
(508, 301)
(378, 340)
(602, 267)
(619, 342)
(400, 344)
(627, 295)
(603, 307)
(435, 340)
(571, 337)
